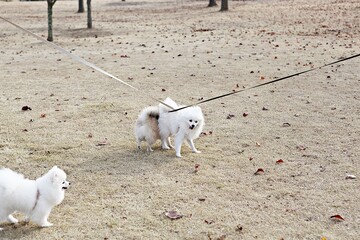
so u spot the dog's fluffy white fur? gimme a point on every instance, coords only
(34, 198)
(186, 124)
(146, 127)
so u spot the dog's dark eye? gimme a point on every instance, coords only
(63, 182)
(190, 120)
(196, 121)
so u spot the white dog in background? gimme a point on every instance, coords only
(34, 198)
(186, 124)
(146, 127)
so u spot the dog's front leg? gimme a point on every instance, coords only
(192, 146)
(179, 138)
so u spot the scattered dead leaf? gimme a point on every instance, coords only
(230, 116)
(209, 221)
(259, 171)
(197, 167)
(280, 161)
(337, 218)
(349, 176)
(239, 228)
(26, 108)
(173, 215)
(286, 124)
(103, 143)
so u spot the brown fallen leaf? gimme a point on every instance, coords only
(103, 143)
(196, 168)
(239, 228)
(42, 115)
(337, 217)
(209, 221)
(26, 108)
(280, 161)
(259, 171)
(173, 215)
(230, 116)
(245, 114)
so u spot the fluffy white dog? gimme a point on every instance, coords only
(185, 124)
(146, 127)
(34, 198)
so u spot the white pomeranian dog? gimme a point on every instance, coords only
(146, 127)
(186, 124)
(34, 198)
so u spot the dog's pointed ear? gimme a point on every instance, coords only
(54, 174)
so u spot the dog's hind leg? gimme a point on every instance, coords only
(138, 143)
(165, 143)
(149, 149)
(192, 146)
(169, 143)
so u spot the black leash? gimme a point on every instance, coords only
(266, 83)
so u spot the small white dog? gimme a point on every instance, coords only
(146, 127)
(34, 198)
(186, 124)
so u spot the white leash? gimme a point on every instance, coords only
(79, 59)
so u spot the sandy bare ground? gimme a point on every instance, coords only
(186, 51)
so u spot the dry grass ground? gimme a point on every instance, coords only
(191, 52)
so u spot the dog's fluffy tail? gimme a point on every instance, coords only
(148, 114)
(170, 102)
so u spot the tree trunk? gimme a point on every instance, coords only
(50, 4)
(224, 5)
(212, 3)
(81, 6)
(89, 20)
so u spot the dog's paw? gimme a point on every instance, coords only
(1, 229)
(178, 155)
(47, 224)
(11, 219)
(196, 151)
(165, 148)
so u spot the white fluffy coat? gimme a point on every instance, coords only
(34, 198)
(186, 124)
